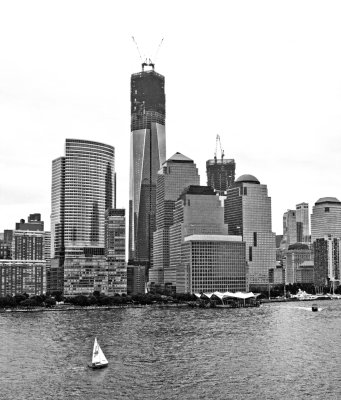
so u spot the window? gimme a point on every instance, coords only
(326, 209)
(245, 191)
(255, 239)
(250, 253)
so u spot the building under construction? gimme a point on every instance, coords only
(220, 172)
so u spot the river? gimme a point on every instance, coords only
(276, 351)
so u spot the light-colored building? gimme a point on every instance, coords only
(289, 229)
(177, 173)
(212, 263)
(247, 212)
(302, 223)
(198, 211)
(326, 218)
(305, 272)
(293, 257)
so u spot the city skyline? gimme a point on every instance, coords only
(265, 78)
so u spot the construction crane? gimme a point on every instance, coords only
(216, 148)
(147, 62)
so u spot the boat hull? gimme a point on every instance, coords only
(97, 366)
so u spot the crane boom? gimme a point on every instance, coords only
(216, 148)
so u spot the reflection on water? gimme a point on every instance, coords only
(277, 351)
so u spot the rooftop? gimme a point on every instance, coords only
(247, 178)
(178, 157)
(213, 238)
(200, 190)
(330, 200)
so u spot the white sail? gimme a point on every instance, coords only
(98, 356)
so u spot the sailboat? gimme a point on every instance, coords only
(98, 358)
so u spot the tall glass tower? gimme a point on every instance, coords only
(82, 190)
(147, 154)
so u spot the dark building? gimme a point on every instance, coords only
(136, 279)
(327, 265)
(147, 154)
(220, 174)
(33, 223)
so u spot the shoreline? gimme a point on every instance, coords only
(171, 305)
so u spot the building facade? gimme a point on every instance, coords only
(327, 266)
(147, 154)
(82, 190)
(326, 218)
(22, 276)
(247, 212)
(293, 258)
(177, 173)
(136, 279)
(115, 249)
(212, 263)
(197, 212)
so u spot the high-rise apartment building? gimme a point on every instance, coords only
(220, 174)
(326, 218)
(302, 222)
(82, 190)
(177, 173)
(147, 154)
(247, 211)
(115, 248)
(327, 261)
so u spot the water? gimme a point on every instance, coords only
(277, 351)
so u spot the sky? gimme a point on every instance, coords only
(263, 75)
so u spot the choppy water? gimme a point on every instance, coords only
(277, 351)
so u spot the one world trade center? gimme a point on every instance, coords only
(147, 154)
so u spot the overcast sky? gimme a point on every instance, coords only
(264, 75)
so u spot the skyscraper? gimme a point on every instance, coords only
(289, 229)
(302, 222)
(115, 249)
(247, 211)
(176, 174)
(82, 190)
(147, 154)
(198, 211)
(326, 218)
(220, 174)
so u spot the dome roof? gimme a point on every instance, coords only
(248, 179)
(332, 200)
